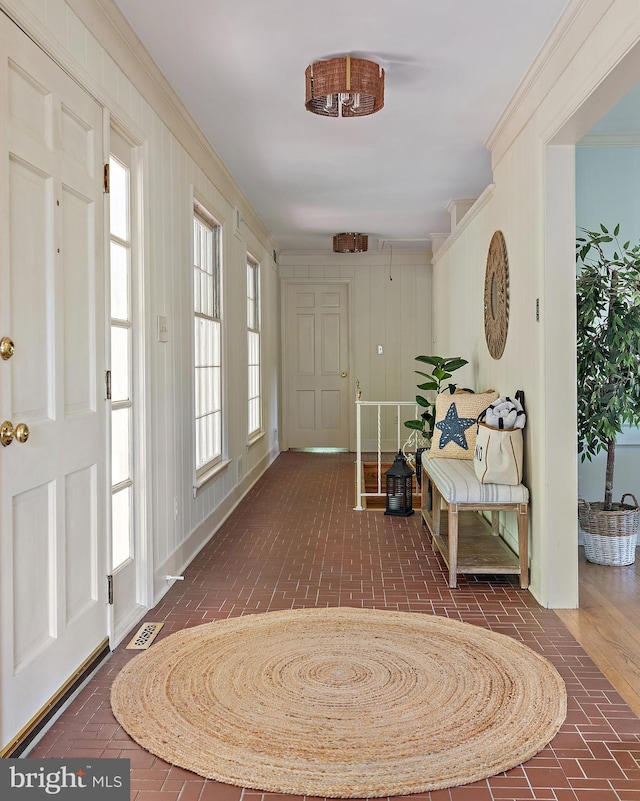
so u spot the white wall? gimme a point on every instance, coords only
(459, 274)
(608, 192)
(394, 313)
(92, 42)
(589, 62)
(587, 65)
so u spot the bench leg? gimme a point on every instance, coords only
(523, 544)
(495, 523)
(436, 503)
(424, 491)
(453, 545)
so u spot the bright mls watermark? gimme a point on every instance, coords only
(80, 779)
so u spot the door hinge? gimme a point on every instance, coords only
(110, 589)
(107, 382)
(105, 178)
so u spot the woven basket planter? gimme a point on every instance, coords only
(610, 537)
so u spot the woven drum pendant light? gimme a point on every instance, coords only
(350, 243)
(344, 86)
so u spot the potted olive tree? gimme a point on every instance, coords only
(608, 354)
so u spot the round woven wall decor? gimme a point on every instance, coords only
(496, 296)
(340, 702)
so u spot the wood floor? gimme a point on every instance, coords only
(607, 624)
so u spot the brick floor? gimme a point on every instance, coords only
(296, 542)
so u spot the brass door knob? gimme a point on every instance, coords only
(8, 432)
(7, 348)
(343, 374)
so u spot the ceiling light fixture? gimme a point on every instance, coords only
(344, 86)
(350, 243)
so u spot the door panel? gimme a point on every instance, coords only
(30, 269)
(306, 409)
(317, 366)
(80, 553)
(331, 411)
(33, 623)
(305, 343)
(53, 486)
(330, 344)
(78, 319)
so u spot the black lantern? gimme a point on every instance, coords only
(399, 488)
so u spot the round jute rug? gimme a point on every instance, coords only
(340, 702)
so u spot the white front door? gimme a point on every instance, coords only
(53, 486)
(316, 366)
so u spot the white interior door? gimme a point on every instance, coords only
(52, 487)
(317, 366)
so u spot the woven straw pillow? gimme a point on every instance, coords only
(454, 435)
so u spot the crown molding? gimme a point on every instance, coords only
(44, 38)
(438, 240)
(106, 23)
(457, 208)
(610, 140)
(570, 31)
(165, 101)
(372, 258)
(403, 245)
(465, 222)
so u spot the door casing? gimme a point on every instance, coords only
(349, 381)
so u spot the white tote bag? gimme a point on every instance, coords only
(497, 458)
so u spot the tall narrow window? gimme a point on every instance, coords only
(207, 344)
(121, 362)
(253, 347)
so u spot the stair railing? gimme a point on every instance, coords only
(405, 441)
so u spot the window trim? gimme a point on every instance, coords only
(252, 262)
(201, 481)
(203, 212)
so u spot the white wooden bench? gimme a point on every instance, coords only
(476, 547)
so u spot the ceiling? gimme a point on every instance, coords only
(451, 67)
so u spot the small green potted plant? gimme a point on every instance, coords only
(437, 381)
(442, 368)
(608, 368)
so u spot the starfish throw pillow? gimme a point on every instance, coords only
(454, 435)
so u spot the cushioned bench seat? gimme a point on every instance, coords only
(454, 482)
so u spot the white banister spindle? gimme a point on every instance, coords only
(379, 449)
(411, 409)
(358, 507)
